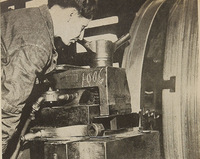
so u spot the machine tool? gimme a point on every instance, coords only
(88, 114)
(97, 95)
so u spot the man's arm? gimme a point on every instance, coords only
(18, 79)
(20, 73)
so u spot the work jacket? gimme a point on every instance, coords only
(26, 46)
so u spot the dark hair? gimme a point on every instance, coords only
(86, 8)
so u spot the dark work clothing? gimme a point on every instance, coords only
(27, 44)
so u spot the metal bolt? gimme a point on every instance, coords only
(55, 156)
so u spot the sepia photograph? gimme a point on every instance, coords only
(100, 79)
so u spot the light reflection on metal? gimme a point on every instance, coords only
(103, 22)
(110, 37)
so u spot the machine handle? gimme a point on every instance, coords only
(52, 96)
(95, 129)
(122, 40)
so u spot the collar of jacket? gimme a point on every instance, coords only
(49, 23)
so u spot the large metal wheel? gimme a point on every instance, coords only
(165, 43)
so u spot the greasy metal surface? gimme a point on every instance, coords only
(103, 50)
(55, 151)
(65, 116)
(60, 133)
(134, 54)
(114, 96)
(116, 122)
(127, 145)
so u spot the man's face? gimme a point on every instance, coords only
(71, 26)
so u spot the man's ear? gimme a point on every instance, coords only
(73, 12)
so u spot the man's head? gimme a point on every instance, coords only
(70, 17)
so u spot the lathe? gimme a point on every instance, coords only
(87, 114)
(91, 119)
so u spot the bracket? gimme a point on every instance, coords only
(169, 84)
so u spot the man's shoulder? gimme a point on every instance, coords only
(22, 18)
(25, 26)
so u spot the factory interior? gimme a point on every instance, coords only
(128, 90)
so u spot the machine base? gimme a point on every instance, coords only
(128, 145)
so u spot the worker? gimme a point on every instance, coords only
(27, 41)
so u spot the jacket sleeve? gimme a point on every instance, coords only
(20, 74)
